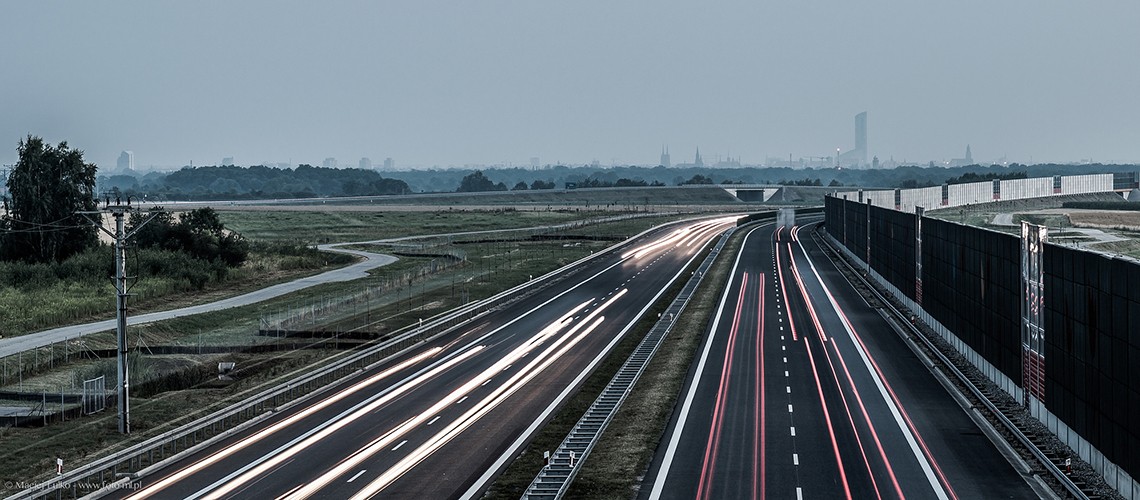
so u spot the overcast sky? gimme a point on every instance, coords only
(457, 82)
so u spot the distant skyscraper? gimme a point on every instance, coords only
(697, 161)
(228, 161)
(389, 164)
(365, 163)
(126, 160)
(857, 157)
(665, 160)
(969, 155)
(329, 162)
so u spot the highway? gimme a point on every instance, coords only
(802, 390)
(441, 420)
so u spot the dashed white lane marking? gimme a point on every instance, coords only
(793, 431)
(789, 389)
(353, 478)
(508, 367)
(402, 443)
(799, 493)
(785, 373)
(785, 360)
(789, 408)
(461, 400)
(432, 421)
(783, 348)
(795, 458)
(488, 381)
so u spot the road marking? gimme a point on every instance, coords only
(785, 359)
(402, 443)
(795, 458)
(485, 382)
(353, 478)
(464, 398)
(789, 408)
(508, 367)
(793, 431)
(783, 348)
(432, 421)
(789, 389)
(785, 373)
(799, 493)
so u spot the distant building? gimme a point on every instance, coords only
(365, 163)
(961, 162)
(534, 162)
(857, 157)
(728, 162)
(228, 161)
(665, 160)
(697, 162)
(329, 162)
(389, 164)
(126, 160)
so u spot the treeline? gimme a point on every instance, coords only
(257, 182)
(205, 183)
(969, 177)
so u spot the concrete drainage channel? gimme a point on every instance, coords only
(129, 464)
(566, 461)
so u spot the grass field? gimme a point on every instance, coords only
(344, 226)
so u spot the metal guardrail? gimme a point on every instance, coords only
(565, 462)
(124, 465)
(1048, 464)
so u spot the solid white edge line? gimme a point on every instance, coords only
(935, 483)
(512, 450)
(675, 438)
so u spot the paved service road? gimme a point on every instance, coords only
(442, 419)
(803, 391)
(10, 346)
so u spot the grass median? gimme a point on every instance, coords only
(611, 470)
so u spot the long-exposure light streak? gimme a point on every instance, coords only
(290, 449)
(313, 487)
(937, 479)
(235, 447)
(470, 417)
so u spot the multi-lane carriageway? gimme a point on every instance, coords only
(801, 390)
(441, 420)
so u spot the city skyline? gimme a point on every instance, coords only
(499, 83)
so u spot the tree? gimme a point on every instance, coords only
(475, 182)
(698, 179)
(520, 186)
(48, 186)
(199, 233)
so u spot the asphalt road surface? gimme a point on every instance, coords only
(803, 391)
(443, 419)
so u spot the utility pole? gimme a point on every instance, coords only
(118, 210)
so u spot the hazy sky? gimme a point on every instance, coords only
(455, 82)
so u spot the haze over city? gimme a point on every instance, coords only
(440, 84)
